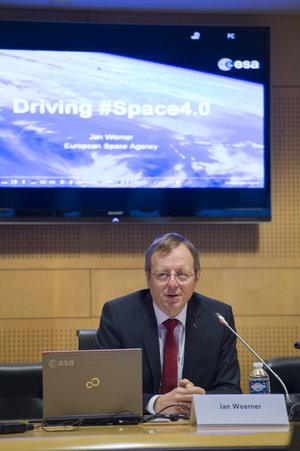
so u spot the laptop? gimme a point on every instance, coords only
(92, 385)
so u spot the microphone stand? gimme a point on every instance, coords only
(223, 321)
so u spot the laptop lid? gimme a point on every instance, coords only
(95, 383)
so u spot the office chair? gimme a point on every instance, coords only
(294, 445)
(87, 339)
(21, 391)
(288, 369)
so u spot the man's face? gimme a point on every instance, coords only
(171, 295)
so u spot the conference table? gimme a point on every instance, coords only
(162, 436)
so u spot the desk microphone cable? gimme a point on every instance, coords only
(171, 417)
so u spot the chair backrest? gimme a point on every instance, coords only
(294, 444)
(288, 369)
(21, 391)
(87, 339)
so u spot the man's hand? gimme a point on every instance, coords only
(181, 396)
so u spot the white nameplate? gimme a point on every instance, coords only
(239, 410)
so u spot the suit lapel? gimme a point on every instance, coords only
(146, 322)
(194, 333)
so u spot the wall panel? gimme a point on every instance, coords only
(44, 246)
(250, 291)
(44, 294)
(24, 340)
(112, 283)
(269, 336)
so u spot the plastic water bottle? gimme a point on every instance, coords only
(259, 381)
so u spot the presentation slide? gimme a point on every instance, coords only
(89, 119)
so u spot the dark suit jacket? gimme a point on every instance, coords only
(210, 356)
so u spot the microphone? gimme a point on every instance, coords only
(223, 321)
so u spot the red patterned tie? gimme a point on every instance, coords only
(169, 379)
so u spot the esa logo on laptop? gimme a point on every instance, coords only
(54, 363)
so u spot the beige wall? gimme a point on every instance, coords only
(54, 279)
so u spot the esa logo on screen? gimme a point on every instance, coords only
(227, 64)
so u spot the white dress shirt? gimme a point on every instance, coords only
(179, 333)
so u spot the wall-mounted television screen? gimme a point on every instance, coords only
(127, 122)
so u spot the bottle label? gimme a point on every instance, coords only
(259, 387)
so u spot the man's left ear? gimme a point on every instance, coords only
(197, 276)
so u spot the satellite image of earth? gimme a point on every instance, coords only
(97, 119)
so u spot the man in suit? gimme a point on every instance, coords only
(206, 355)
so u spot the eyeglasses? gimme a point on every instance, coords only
(165, 276)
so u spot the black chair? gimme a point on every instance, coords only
(87, 339)
(288, 369)
(294, 445)
(21, 391)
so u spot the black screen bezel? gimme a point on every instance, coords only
(129, 204)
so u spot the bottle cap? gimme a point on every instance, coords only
(257, 364)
